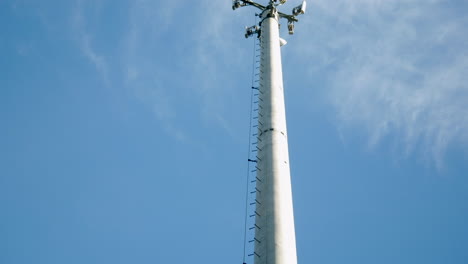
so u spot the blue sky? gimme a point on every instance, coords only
(124, 131)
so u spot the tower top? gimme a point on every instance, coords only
(272, 8)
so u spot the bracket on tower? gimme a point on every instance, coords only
(290, 27)
(250, 31)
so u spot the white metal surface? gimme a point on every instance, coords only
(283, 42)
(275, 241)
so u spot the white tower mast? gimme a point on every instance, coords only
(275, 240)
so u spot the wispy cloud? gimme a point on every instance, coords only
(145, 72)
(399, 69)
(220, 56)
(84, 40)
(141, 69)
(194, 55)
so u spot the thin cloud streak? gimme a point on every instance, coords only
(197, 70)
(84, 40)
(146, 74)
(221, 56)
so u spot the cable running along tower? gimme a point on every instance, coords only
(274, 239)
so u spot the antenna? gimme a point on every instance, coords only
(274, 239)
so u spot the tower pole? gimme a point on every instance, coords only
(275, 239)
(275, 219)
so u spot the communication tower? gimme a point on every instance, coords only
(274, 238)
